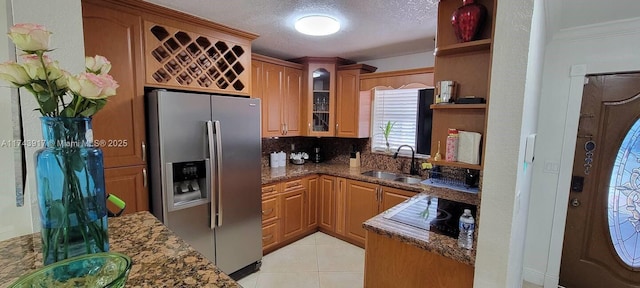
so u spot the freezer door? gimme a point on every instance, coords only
(182, 125)
(179, 134)
(238, 180)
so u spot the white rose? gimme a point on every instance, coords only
(97, 65)
(14, 73)
(30, 37)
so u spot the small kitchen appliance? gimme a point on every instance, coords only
(316, 156)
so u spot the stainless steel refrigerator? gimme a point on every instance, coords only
(205, 174)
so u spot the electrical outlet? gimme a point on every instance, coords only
(293, 147)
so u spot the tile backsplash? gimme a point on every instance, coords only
(337, 150)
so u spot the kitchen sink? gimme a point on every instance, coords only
(408, 180)
(392, 176)
(381, 175)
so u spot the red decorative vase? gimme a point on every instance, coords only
(467, 20)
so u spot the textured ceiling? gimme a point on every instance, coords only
(371, 29)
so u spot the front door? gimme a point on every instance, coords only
(602, 234)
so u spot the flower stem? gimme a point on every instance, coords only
(46, 78)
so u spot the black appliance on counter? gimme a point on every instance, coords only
(316, 156)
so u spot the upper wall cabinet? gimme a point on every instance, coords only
(326, 91)
(278, 84)
(178, 58)
(353, 108)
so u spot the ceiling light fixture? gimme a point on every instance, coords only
(317, 25)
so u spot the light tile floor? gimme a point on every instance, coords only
(316, 261)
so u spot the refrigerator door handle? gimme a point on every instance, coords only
(212, 187)
(218, 160)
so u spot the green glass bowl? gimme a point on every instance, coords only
(107, 269)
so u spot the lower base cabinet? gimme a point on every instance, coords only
(361, 203)
(289, 211)
(270, 235)
(391, 263)
(334, 205)
(130, 185)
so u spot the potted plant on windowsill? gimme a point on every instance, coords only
(69, 166)
(386, 131)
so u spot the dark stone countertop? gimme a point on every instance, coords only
(160, 258)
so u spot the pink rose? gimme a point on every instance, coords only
(30, 37)
(92, 86)
(97, 65)
(14, 74)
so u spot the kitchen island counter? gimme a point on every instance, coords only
(160, 258)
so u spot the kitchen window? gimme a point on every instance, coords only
(408, 108)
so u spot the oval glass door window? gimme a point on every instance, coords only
(623, 209)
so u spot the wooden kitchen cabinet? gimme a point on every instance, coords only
(327, 203)
(319, 95)
(353, 108)
(117, 35)
(278, 84)
(270, 236)
(188, 57)
(312, 203)
(469, 65)
(392, 263)
(361, 203)
(293, 209)
(270, 209)
(341, 213)
(392, 196)
(130, 185)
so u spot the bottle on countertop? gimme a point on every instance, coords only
(451, 151)
(467, 226)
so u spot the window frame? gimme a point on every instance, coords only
(375, 129)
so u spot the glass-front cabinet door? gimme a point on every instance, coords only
(321, 99)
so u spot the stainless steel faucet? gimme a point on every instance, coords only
(413, 170)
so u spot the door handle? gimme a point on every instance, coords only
(212, 191)
(144, 177)
(218, 133)
(286, 129)
(575, 202)
(144, 152)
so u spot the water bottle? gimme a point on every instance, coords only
(467, 226)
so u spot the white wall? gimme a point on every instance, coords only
(505, 183)
(64, 19)
(572, 53)
(411, 61)
(13, 220)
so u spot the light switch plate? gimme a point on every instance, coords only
(530, 144)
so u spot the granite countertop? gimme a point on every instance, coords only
(270, 175)
(160, 258)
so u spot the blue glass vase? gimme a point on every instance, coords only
(71, 194)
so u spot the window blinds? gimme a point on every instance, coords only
(399, 106)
